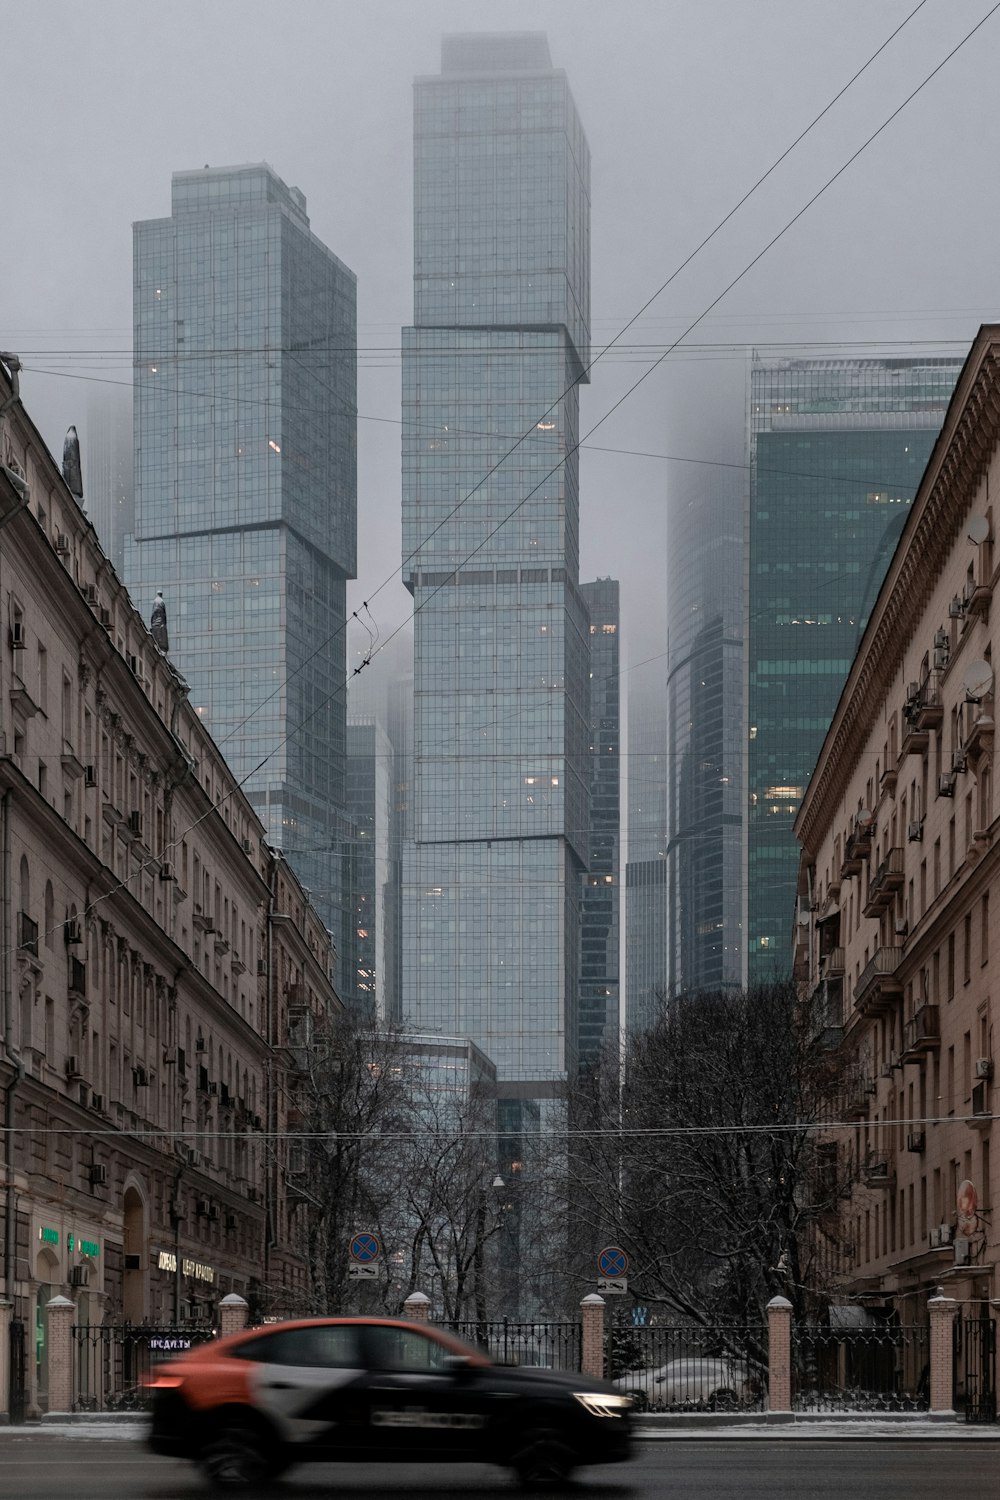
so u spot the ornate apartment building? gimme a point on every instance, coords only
(161, 966)
(899, 888)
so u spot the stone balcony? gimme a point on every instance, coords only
(887, 880)
(878, 987)
(922, 1033)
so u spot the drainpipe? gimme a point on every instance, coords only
(10, 1055)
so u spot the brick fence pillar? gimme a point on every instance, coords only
(417, 1307)
(779, 1354)
(60, 1313)
(942, 1376)
(233, 1313)
(592, 1339)
(6, 1313)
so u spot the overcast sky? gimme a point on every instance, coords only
(684, 104)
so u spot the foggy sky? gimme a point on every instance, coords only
(684, 106)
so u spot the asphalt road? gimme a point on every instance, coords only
(38, 1468)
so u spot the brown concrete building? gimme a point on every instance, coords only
(155, 954)
(899, 917)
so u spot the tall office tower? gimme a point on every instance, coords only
(647, 969)
(836, 450)
(106, 455)
(599, 930)
(705, 734)
(373, 894)
(490, 553)
(383, 694)
(246, 478)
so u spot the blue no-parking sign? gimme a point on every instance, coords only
(365, 1248)
(612, 1262)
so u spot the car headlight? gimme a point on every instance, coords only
(600, 1405)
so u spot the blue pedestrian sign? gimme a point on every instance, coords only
(612, 1261)
(365, 1248)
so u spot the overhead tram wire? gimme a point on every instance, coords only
(584, 447)
(122, 885)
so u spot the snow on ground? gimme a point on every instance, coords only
(909, 1430)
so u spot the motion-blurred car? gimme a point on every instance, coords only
(248, 1407)
(692, 1383)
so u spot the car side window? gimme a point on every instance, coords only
(335, 1346)
(403, 1349)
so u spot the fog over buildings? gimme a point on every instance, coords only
(685, 108)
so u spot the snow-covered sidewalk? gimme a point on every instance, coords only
(833, 1427)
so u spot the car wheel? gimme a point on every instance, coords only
(543, 1462)
(238, 1458)
(723, 1401)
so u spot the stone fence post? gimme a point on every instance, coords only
(779, 1354)
(417, 1307)
(60, 1313)
(942, 1378)
(233, 1313)
(6, 1314)
(592, 1337)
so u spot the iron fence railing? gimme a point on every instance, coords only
(554, 1346)
(113, 1361)
(874, 1367)
(678, 1369)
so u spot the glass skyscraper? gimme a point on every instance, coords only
(491, 367)
(245, 507)
(704, 730)
(599, 916)
(836, 449)
(647, 956)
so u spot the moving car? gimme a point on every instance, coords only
(692, 1383)
(250, 1406)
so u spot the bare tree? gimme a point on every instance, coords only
(707, 1166)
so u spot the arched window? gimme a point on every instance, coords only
(50, 916)
(25, 886)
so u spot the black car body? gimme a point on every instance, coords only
(356, 1389)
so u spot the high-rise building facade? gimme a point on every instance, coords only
(646, 927)
(245, 512)
(599, 914)
(491, 368)
(836, 451)
(372, 889)
(704, 705)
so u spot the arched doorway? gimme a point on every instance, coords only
(134, 1278)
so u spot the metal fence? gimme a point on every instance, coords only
(678, 1369)
(553, 1346)
(113, 1361)
(874, 1367)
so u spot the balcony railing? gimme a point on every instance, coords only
(887, 880)
(878, 987)
(831, 964)
(878, 1172)
(922, 1033)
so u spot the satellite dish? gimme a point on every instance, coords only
(978, 530)
(978, 680)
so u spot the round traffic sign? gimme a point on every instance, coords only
(365, 1248)
(612, 1261)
